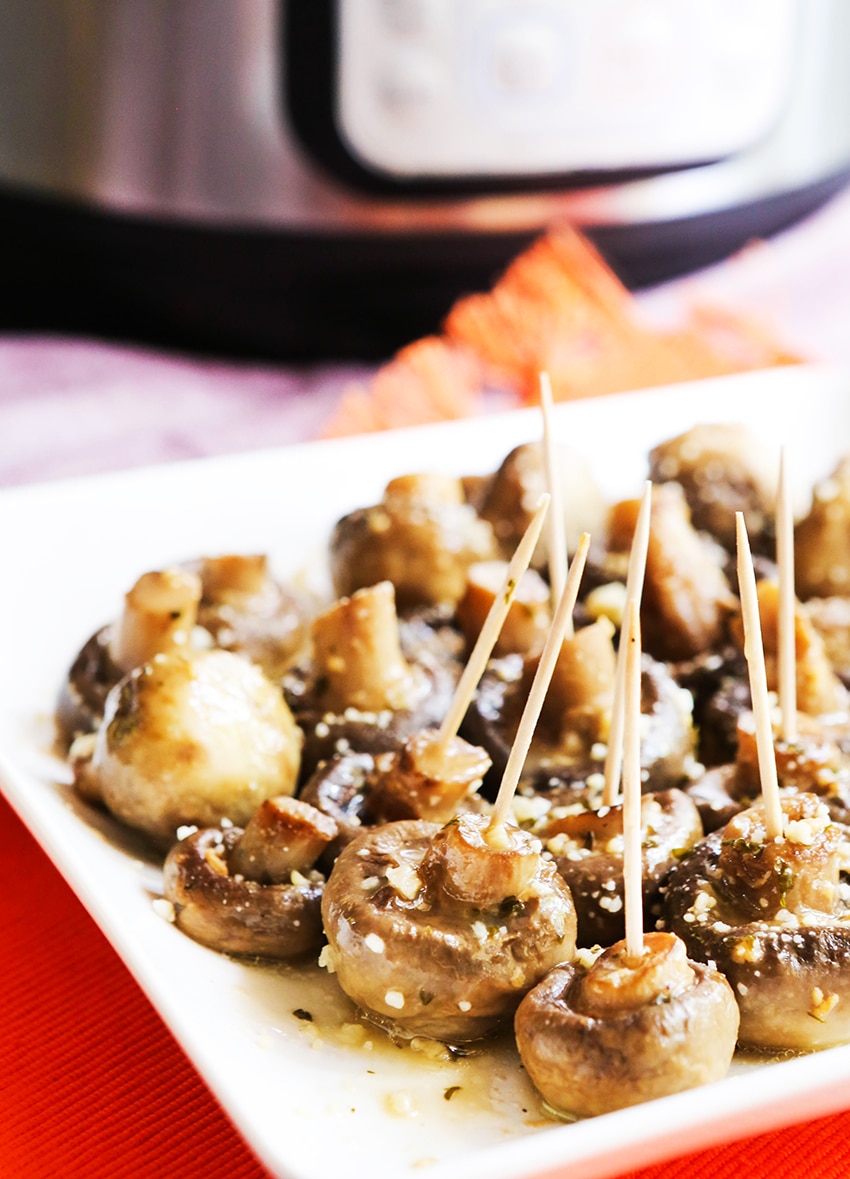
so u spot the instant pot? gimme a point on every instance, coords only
(322, 178)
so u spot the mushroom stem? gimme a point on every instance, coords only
(427, 779)
(159, 613)
(754, 653)
(467, 866)
(357, 653)
(634, 592)
(582, 686)
(284, 835)
(537, 695)
(234, 573)
(528, 617)
(787, 639)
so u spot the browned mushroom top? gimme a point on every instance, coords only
(774, 914)
(247, 610)
(433, 932)
(602, 1036)
(422, 538)
(255, 891)
(586, 842)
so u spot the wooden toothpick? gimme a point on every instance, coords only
(555, 533)
(489, 633)
(632, 860)
(754, 652)
(787, 622)
(634, 593)
(539, 686)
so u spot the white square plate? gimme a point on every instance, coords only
(309, 1104)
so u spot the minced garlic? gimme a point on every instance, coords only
(405, 881)
(164, 909)
(326, 960)
(822, 1004)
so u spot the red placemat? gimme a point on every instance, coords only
(93, 1086)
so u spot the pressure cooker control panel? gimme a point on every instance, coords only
(474, 88)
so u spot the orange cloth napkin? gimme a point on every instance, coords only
(559, 309)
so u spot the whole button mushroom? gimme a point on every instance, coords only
(610, 1034)
(193, 738)
(439, 931)
(253, 891)
(371, 681)
(773, 916)
(422, 538)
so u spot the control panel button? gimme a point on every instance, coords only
(410, 83)
(525, 60)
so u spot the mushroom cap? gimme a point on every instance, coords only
(82, 696)
(791, 978)
(423, 964)
(591, 860)
(585, 1065)
(194, 739)
(424, 547)
(235, 915)
(667, 743)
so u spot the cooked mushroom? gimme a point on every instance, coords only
(416, 781)
(159, 613)
(586, 842)
(819, 691)
(687, 600)
(253, 891)
(194, 738)
(434, 932)
(372, 682)
(246, 610)
(721, 468)
(831, 619)
(774, 916)
(422, 538)
(600, 1037)
(822, 539)
(426, 779)
(718, 683)
(524, 629)
(578, 751)
(815, 761)
(507, 500)
(340, 788)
